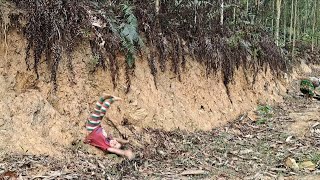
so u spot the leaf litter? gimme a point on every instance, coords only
(242, 149)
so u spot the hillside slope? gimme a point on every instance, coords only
(40, 120)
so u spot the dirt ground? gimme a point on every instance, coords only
(250, 147)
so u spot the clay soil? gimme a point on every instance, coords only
(178, 130)
(241, 149)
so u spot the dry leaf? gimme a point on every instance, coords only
(316, 124)
(8, 174)
(252, 116)
(246, 151)
(291, 163)
(307, 165)
(289, 138)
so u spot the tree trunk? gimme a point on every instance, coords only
(299, 22)
(314, 24)
(294, 29)
(284, 21)
(221, 13)
(278, 22)
(291, 21)
(247, 7)
(306, 16)
(272, 19)
(234, 17)
(157, 4)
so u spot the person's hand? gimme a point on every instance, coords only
(129, 154)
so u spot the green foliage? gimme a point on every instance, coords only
(129, 33)
(236, 39)
(315, 158)
(55, 27)
(265, 112)
(261, 121)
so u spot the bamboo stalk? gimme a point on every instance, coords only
(221, 13)
(294, 29)
(291, 21)
(284, 22)
(278, 21)
(314, 24)
(157, 4)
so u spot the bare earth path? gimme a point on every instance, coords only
(261, 147)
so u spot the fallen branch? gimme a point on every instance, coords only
(193, 172)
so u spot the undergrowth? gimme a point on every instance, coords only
(265, 112)
(179, 30)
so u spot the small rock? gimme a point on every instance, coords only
(280, 177)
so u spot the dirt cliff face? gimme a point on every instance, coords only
(36, 119)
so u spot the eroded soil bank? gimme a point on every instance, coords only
(37, 120)
(245, 148)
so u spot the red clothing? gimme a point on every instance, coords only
(97, 139)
